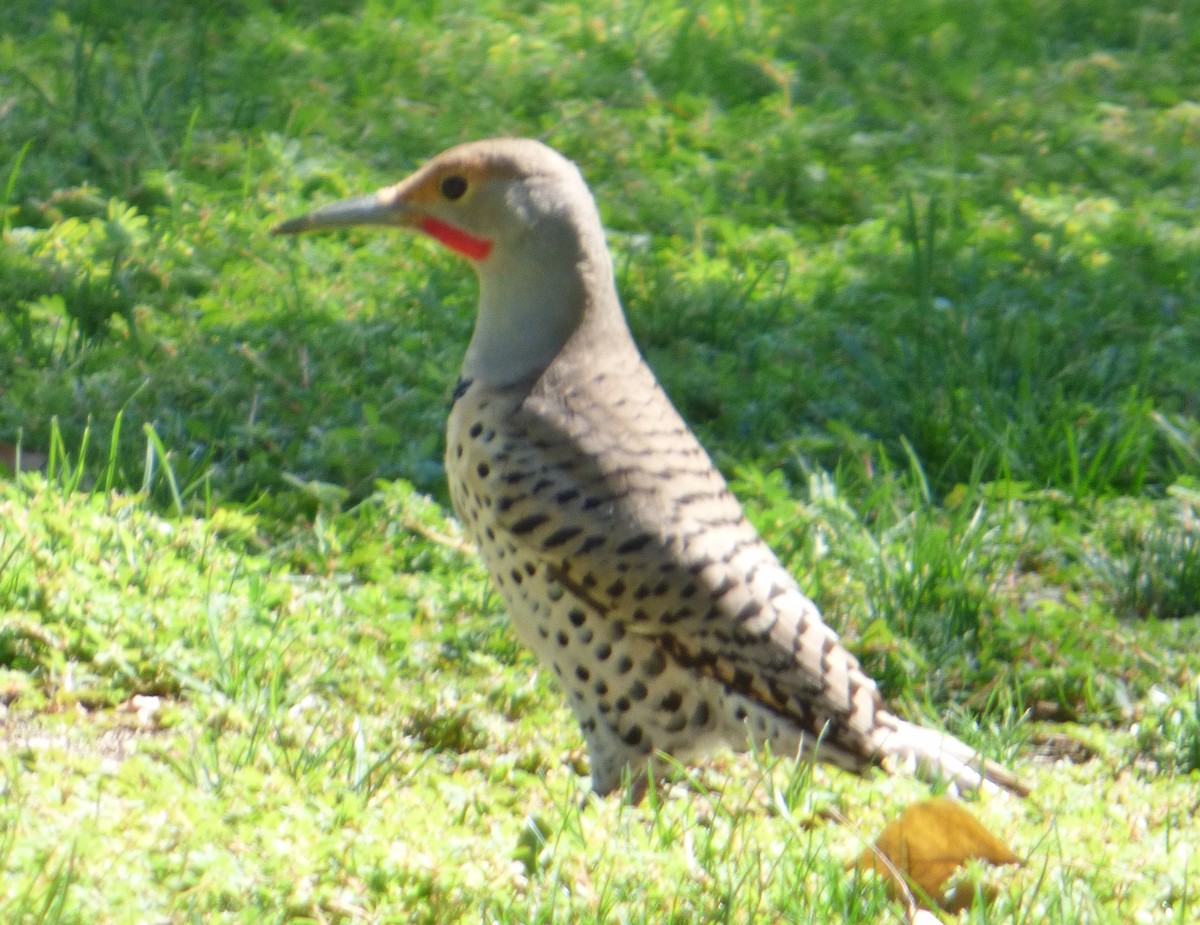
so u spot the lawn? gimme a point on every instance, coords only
(925, 279)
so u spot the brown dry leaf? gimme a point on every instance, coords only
(928, 843)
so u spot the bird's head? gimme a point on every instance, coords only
(501, 195)
(521, 213)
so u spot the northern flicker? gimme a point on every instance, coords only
(626, 564)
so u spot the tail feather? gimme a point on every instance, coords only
(936, 755)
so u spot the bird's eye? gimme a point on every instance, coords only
(453, 187)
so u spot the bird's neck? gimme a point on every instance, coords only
(531, 309)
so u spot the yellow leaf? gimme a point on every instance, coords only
(928, 843)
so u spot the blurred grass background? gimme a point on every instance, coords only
(924, 280)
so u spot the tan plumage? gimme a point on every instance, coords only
(626, 564)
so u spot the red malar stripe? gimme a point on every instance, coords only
(457, 240)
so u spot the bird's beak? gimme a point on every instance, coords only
(385, 207)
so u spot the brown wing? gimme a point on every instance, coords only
(604, 484)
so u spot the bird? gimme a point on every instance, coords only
(625, 562)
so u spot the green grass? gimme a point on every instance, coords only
(924, 280)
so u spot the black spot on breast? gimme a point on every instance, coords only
(632, 736)
(635, 543)
(528, 524)
(683, 613)
(603, 651)
(654, 665)
(577, 617)
(623, 704)
(624, 664)
(700, 715)
(484, 470)
(560, 536)
(582, 673)
(476, 429)
(561, 638)
(616, 589)
(592, 542)
(637, 691)
(672, 702)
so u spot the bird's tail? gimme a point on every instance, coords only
(936, 756)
